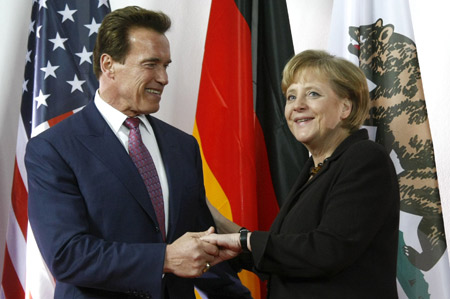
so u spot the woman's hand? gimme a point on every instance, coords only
(229, 246)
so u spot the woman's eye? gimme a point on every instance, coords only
(290, 98)
(313, 94)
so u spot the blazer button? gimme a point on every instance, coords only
(157, 229)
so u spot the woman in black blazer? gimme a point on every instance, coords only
(336, 236)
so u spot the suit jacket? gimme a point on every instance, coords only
(337, 234)
(93, 219)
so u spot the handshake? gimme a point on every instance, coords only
(193, 254)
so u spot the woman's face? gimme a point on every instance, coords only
(314, 112)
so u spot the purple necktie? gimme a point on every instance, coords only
(144, 163)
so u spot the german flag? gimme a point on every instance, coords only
(238, 175)
(236, 169)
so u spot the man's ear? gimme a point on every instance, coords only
(107, 65)
(346, 108)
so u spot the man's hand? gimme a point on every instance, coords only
(189, 255)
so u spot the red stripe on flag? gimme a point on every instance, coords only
(19, 200)
(59, 118)
(11, 284)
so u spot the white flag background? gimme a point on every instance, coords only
(313, 26)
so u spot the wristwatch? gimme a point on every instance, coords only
(243, 233)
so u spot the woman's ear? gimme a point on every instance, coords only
(107, 65)
(346, 108)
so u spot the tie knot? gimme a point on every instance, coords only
(132, 122)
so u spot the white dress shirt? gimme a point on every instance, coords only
(115, 120)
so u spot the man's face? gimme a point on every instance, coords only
(140, 80)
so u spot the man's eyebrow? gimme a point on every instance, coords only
(155, 59)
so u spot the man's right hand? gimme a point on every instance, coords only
(188, 255)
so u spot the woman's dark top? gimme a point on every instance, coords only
(336, 236)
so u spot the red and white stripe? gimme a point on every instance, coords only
(25, 274)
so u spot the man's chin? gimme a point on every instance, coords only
(150, 110)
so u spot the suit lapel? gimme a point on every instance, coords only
(100, 140)
(170, 154)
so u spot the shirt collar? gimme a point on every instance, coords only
(114, 117)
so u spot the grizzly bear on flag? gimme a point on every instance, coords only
(389, 60)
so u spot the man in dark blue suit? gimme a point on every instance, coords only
(89, 208)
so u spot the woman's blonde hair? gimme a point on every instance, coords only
(345, 78)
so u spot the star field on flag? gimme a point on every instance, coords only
(58, 74)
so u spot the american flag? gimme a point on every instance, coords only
(58, 81)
